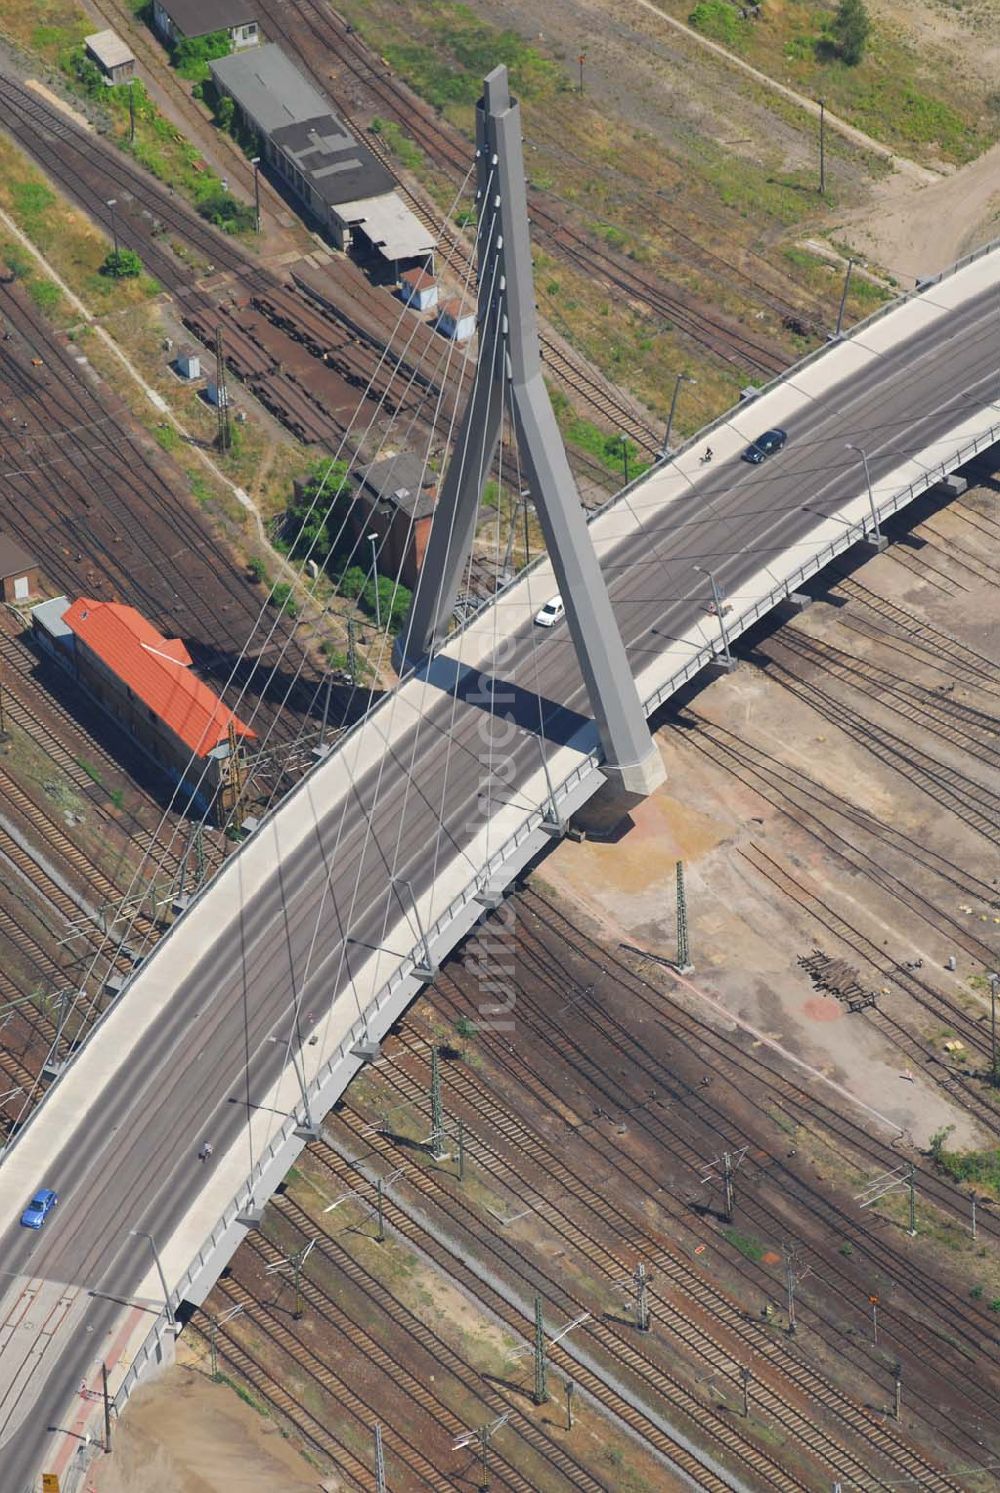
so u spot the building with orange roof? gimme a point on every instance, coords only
(146, 683)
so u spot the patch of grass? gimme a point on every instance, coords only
(406, 151)
(454, 51)
(980, 1167)
(93, 773)
(167, 437)
(614, 452)
(720, 20)
(750, 1248)
(45, 293)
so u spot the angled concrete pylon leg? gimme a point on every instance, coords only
(632, 763)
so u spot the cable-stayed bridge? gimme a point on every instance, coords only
(254, 1010)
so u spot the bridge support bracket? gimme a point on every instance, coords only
(721, 664)
(794, 603)
(250, 1217)
(490, 896)
(180, 904)
(954, 485)
(877, 543)
(426, 972)
(366, 1050)
(307, 1131)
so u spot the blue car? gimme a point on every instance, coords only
(39, 1208)
(764, 446)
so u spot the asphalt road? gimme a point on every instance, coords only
(209, 1055)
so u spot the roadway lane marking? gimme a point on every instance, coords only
(37, 1318)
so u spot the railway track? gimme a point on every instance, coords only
(704, 1343)
(260, 1378)
(453, 1264)
(720, 335)
(346, 1399)
(331, 30)
(682, 1122)
(408, 1326)
(921, 639)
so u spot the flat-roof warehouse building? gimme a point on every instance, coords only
(337, 178)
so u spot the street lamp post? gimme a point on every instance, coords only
(142, 1234)
(373, 541)
(871, 496)
(718, 604)
(843, 300)
(682, 378)
(255, 163)
(112, 204)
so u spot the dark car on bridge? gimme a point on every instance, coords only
(39, 1208)
(764, 446)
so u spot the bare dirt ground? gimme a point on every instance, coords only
(184, 1434)
(919, 230)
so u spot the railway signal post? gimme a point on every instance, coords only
(541, 1393)
(379, 1462)
(683, 963)
(641, 1297)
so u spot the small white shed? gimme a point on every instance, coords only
(457, 321)
(418, 289)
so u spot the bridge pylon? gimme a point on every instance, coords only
(510, 364)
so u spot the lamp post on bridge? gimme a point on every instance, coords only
(142, 1234)
(682, 378)
(719, 604)
(876, 531)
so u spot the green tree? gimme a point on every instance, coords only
(851, 26)
(122, 264)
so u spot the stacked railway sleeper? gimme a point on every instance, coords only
(538, 989)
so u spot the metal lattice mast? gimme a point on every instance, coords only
(509, 352)
(437, 1108)
(541, 1393)
(225, 436)
(641, 1297)
(684, 965)
(379, 1462)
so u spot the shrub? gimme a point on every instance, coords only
(192, 54)
(851, 27)
(18, 261)
(122, 264)
(717, 19)
(257, 569)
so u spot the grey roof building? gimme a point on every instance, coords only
(336, 176)
(176, 19)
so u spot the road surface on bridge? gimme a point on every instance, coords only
(131, 1163)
